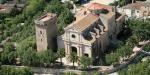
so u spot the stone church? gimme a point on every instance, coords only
(89, 35)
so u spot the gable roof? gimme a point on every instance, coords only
(134, 6)
(137, 5)
(85, 22)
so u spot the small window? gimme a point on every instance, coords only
(73, 36)
(85, 54)
(40, 32)
(41, 40)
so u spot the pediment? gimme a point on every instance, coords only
(71, 28)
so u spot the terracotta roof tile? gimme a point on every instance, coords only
(136, 6)
(95, 6)
(85, 22)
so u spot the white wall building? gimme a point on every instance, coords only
(137, 10)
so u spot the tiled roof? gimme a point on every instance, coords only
(85, 22)
(135, 6)
(95, 6)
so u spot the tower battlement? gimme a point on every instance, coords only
(45, 18)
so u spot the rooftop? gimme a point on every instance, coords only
(47, 17)
(85, 22)
(137, 5)
(96, 6)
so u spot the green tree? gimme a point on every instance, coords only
(141, 68)
(8, 55)
(65, 18)
(14, 11)
(47, 57)
(73, 58)
(55, 7)
(30, 58)
(9, 70)
(85, 62)
(68, 5)
(2, 1)
(61, 54)
(33, 7)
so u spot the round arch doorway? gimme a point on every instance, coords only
(74, 49)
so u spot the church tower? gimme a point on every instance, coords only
(46, 32)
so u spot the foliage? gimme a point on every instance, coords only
(55, 7)
(73, 58)
(68, 5)
(8, 55)
(26, 51)
(47, 57)
(2, 1)
(20, 27)
(123, 2)
(65, 18)
(101, 11)
(33, 7)
(61, 54)
(29, 58)
(122, 51)
(137, 69)
(139, 31)
(78, 2)
(9, 70)
(85, 62)
(27, 43)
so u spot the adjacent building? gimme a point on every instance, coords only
(139, 9)
(10, 5)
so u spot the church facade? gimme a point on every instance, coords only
(90, 35)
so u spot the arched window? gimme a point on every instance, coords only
(40, 32)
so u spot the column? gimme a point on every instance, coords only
(80, 50)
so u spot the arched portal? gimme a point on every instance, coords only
(74, 49)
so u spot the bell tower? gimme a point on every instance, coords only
(46, 32)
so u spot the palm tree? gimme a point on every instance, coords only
(61, 54)
(73, 58)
